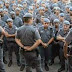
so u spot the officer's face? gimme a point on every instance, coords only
(14, 6)
(66, 27)
(56, 25)
(61, 18)
(5, 12)
(43, 5)
(7, 4)
(10, 24)
(33, 6)
(46, 24)
(17, 12)
(42, 19)
(67, 9)
(37, 5)
(41, 11)
(1, 13)
(25, 5)
(13, 16)
(46, 9)
(21, 8)
(57, 11)
(1, 6)
(31, 11)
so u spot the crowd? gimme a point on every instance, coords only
(38, 32)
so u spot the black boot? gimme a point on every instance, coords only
(22, 67)
(18, 62)
(51, 63)
(61, 69)
(4, 60)
(10, 63)
(46, 67)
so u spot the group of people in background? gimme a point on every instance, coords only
(51, 22)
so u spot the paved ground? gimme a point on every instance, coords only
(15, 68)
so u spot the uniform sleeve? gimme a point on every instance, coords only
(21, 23)
(16, 28)
(5, 29)
(68, 38)
(37, 35)
(17, 34)
(0, 31)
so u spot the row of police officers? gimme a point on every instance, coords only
(37, 32)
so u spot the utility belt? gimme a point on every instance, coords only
(11, 42)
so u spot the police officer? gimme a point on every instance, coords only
(1, 4)
(17, 21)
(38, 25)
(55, 44)
(4, 17)
(69, 16)
(17, 12)
(53, 5)
(29, 2)
(63, 32)
(28, 39)
(3, 24)
(70, 3)
(19, 1)
(47, 11)
(68, 54)
(41, 11)
(25, 8)
(2, 69)
(14, 6)
(62, 5)
(67, 9)
(11, 44)
(62, 19)
(45, 37)
(31, 10)
(55, 14)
